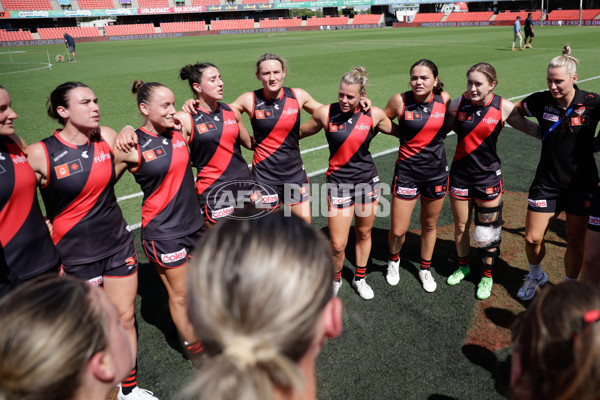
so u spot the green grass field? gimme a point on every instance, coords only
(404, 344)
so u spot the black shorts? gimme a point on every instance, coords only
(529, 33)
(466, 191)
(407, 189)
(575, 202)
(342, 195)
(289, 193)
(228, 197)
(172, 253)
(122, 264)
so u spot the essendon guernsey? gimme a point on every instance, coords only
(215, 149)
(80, 200)
(276, 125)
(28, 249)
(349, 136)
(477, 128)
(421, 155)
(170, 208)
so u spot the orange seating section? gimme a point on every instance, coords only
(95, 4)
(153, 3)
(428, 17)
(470, 16)
(133, 29)
(76, 32)
(17, 5)
(9, 36)
(192, 26)
(366, 19)
(512, 15)
(280, 22)
(322, 21)
(206, 2)
(572, 15)
(223, 24)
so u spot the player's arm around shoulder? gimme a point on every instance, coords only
(123, 159)
(245, 139)
(315, 123)
(184, 122)
(306, 101)
(511, 114)
(37, 159)
(395, 106)
(244, 103)
(382, 123)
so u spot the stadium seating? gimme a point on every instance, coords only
(572, 15)
(95, 4)
(227, 24)
(192, 26)
(76, 32)
(471, 16)
(9, 36)
(256, 1)
(133, 29)
(428, 17)
(153, 3)
(366, 19)
(512, 16)
(17, 5)
(206, 2)
(280, 23)
(324, 21)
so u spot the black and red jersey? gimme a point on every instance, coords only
(80, 200)
(215, 150)
(567, 159)
(477, 127)
(170, 207)
(349, 136)
(421, 155)
(276, 125)
(28, 248)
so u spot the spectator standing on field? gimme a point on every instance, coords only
(70, 44)
(517, 34)
(528, 31)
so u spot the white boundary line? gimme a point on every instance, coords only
(322, 171)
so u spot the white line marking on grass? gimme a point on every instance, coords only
(525, 95)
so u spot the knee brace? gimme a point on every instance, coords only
(488, 226)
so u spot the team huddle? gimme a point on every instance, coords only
(85, 235)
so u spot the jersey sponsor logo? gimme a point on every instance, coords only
(97, 281)
(362, 127)
(403, 191)
(206, 127)
(61, 155)
(334, 127)
(223, 212)
(102, 157)
(2, 158)
(490, 121)
(550, 117)
(173, 257)
(340, 200)
(216, 118)
(594, 221)
(551, 109)
(464, 117)
(437, 115)
(20, 160)
(229, 122)
(580, 111)
(153, 154)
(538, 203)
(376, 179)
(578, 121)
(68, 169)
(459, 192)
(165, 142)
(303, 190)
(289, 111)
(264, 114)
(439, 189)
(178, 144)
(270, 198)
(131, 262)
(491, 190)
(84, 154)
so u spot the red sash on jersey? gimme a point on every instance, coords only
(350, 145)
(424, 137)
(274, 140)
(477, 136)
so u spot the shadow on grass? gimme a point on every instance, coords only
(154, 305)
(558, 227)
(488, 360)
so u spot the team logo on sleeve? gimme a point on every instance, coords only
(333, 127)
(264, 114)
(150, 155)
(464, 117)
(68, 169)
(206, 127)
